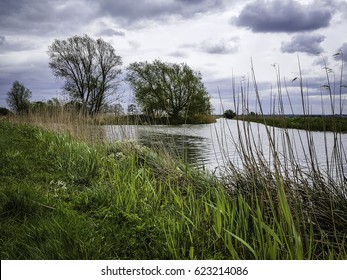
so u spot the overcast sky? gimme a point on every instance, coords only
(215, 37)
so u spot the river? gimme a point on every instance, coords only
(214, 146)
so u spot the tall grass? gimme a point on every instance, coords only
(79, 199)
(124, 201)
(307, 199)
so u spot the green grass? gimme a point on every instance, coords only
(61, 198)
(68, 195)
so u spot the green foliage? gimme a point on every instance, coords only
(229, 114)
(4, 111)
(63, 199)
(310, 123)
(50, 108)
(18, 98)
(167, 89)
(201, 119)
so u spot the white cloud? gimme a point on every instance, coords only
(223, 46)
(134, 44)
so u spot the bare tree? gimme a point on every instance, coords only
(18, 98)
(90, 69)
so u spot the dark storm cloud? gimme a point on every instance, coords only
(36, 76)
(306, 43)
(60, 17)
(127, 12)
(193, 1)
(283, 16)
(2, 41)
(42, 17)
(12, 45)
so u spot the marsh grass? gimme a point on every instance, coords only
(306, 199)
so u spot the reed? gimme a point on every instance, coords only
(306, 200)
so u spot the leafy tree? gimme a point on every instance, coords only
(229, 114)
(18, 98)
(168, 89)
(90, 69)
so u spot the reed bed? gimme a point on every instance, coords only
(307, 197)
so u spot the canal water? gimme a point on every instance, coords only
(215, 146)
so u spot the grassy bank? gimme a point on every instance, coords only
(311, 123)
(61, 198)
(65, 116)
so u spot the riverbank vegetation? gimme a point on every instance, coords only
(63, 198)
(309, 122)
(66, 193)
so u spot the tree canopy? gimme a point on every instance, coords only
(18, 98)
(168, 89)
(89, 68)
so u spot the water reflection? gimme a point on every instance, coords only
(187, 143)
(187, 148)
(215, 145)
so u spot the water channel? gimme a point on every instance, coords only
(214, 146)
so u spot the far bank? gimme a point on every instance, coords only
(330, 123)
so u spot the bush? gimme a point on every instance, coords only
(4, 111)
(229, 114)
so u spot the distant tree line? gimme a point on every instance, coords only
(91, 72)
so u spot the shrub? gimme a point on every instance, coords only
(229, 114)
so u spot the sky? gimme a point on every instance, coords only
(222, 39)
